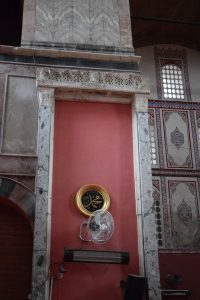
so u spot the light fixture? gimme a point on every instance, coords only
(175, 292)
(93, 256)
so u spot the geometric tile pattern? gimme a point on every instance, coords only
(158, 211)
(177, 139)
(176, 177)
(153, 138)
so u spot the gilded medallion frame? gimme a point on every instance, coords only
(91, 187)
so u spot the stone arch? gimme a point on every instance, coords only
(20, 195)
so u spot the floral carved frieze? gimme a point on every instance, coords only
(126, 82)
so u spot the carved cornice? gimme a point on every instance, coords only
(122, 82)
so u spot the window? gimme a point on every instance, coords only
(172, 74)
(172, 82)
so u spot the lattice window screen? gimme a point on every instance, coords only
(172, 82)
(172, 74)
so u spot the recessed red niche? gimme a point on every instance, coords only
(93, 144)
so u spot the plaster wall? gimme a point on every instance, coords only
(20, 116)
(193, 59)
(93, 144)
(147, 68)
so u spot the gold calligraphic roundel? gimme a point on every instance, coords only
(92, 197)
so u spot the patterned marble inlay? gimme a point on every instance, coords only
(93, 22)
(177, 138)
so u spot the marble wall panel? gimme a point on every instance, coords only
(16, 166)
(105, 23)
(81, 22)
(28, 24)
(20, 116)
(44, 20)
(125, 24)
(15, 69)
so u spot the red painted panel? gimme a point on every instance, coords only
(93, 144)
(15, 254)
(186, 265)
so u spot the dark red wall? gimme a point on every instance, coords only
(187, 265)
(15, 252)
(93, 144)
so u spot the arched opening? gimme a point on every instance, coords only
(16, 240)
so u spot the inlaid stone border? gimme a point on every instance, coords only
(119, 87)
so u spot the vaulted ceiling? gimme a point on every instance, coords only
(166, 21)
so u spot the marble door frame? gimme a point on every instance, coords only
(109, 87)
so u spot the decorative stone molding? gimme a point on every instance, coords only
(141, 103)
(42, 230)
(20, 195)
(46, 97)
(122, 82)
(147, 244)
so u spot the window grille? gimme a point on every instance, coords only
(172, 74)
(172, 82)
